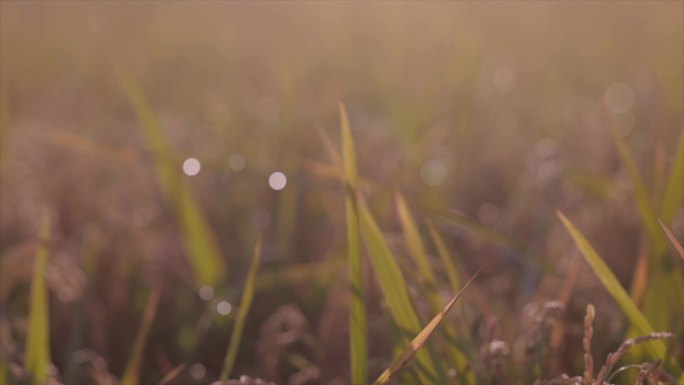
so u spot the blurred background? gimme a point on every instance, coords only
(487, 117)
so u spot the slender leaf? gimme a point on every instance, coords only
(658, 309)
(245, 303)
(420, 339)
(394, 290)
(673, 240)
(170, 376)
(348, 152)
(656, 348)
(451, 270)
(131, 375)
(357, 310)
(674, 192)
(203, 250)
(420, 256)
(643, 201)
(37, 359)
(417, 249)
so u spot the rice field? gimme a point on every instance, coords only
(304, 193)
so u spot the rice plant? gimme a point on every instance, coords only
(327, 193)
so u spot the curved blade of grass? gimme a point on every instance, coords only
(420, 339)
(673, 240)
(358, 349)
(203, 250)
(656, 349)
(131, 375)
(394, 290)
(245, 303)
(674, 192)
(37, 357)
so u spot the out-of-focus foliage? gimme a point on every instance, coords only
(484, 118)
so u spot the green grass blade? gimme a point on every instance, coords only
(395, 291)
(245, 303)
(417, 249)
(348, 152)
(643, 201)
(656, 349)
(674, 192)
(358, 349)
(419, 341)
(202, 247)
(659, 310)
(131, 375)
(420, 256)
(451, 270)
(454, 277)
(37, 359)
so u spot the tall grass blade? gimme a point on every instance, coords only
(131, 375)
(417, 249)
(395, 291)
(358, 349)
(451, 269)
(674, 192)
(659, 310)
(37, 359)
(202, 247)
(419, 253)
(655, 349)
(454, 277)
(673, 240)
(643, 201)
(348, 152)
(245, 303)
(420, 339)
